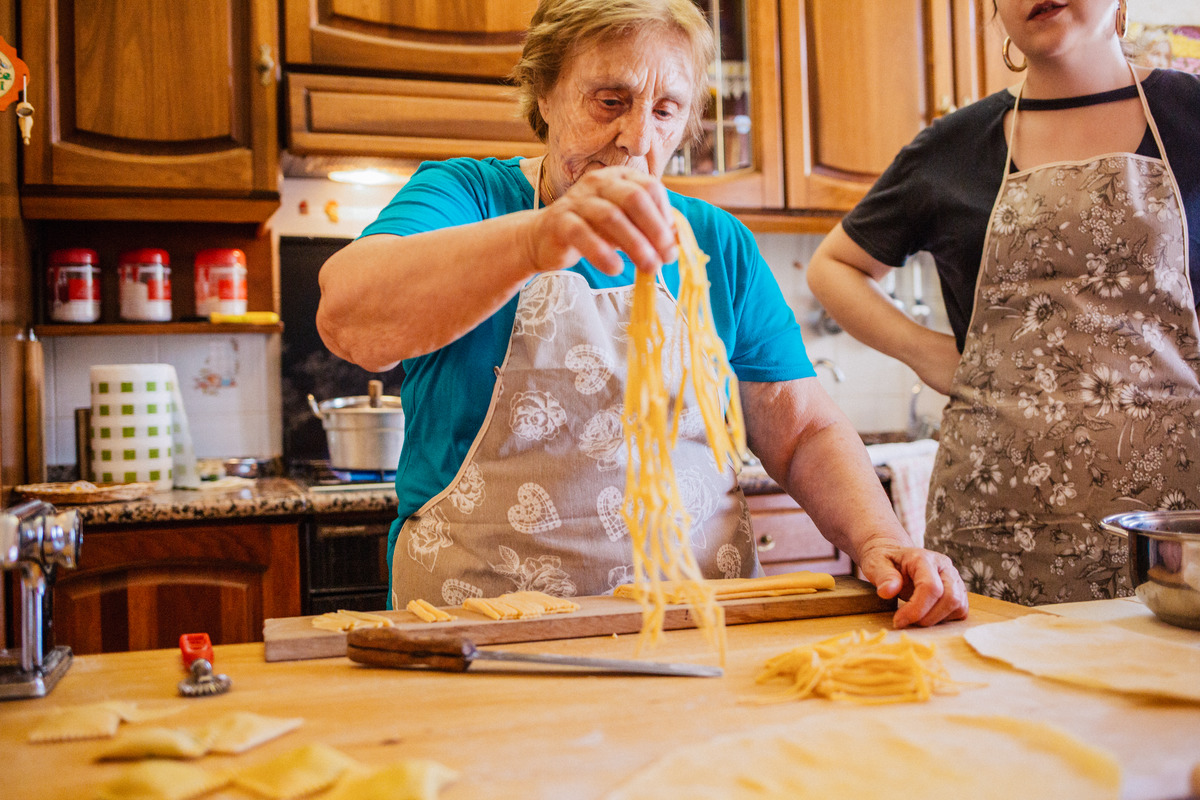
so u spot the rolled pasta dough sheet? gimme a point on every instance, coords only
(1092, 654)
(833, 756)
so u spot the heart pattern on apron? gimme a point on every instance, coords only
(534, 512)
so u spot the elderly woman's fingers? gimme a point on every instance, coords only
(631, 210)
(937, 593)
(928, 583)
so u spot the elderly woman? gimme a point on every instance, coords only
(504, 287)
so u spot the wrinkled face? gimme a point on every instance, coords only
(623, 102)
(1049, 28)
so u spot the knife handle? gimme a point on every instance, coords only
(391, 647)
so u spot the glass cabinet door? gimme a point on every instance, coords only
(737, 162)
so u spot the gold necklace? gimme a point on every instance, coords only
(546, 182)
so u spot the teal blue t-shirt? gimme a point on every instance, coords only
(446, 393)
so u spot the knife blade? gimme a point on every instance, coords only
(453, 652)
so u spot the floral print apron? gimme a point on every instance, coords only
(1077, 395)
(537, 502)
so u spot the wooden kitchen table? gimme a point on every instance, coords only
(521, 735)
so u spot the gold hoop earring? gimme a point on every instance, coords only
(1008, 62)
(1122, 18)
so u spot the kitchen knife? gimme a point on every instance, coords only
(451, 652)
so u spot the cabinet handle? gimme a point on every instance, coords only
(766, 542)
(946, 106)
(266, 64)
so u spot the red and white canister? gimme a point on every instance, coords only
(145, 285)
(73, 285)
(220, 281)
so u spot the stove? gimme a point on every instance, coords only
(343, 554)
(318, 476)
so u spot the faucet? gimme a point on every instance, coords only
(838, 375)
(919, 426)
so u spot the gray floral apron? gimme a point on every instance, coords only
(1077, 395)
(537, 502)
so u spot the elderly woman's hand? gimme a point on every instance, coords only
(926, 580)
(606, 210)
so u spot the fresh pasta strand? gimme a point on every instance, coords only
(653, 509)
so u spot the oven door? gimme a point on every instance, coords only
(345, 562)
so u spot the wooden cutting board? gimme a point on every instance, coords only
(294, 638)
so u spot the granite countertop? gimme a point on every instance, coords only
(267, 497)
(284, 497)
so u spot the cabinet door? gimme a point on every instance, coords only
(142, 96)
(787, 539)
(739, 162)
(863, 77)
(142, 588)
(466, 38)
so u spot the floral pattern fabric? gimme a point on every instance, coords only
(537, 503)
(1078, 392)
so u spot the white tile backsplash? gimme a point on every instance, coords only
(229, 384)
(877, 391)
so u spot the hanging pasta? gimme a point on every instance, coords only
(653, 510)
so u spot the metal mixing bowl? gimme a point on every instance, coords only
(1164, 561)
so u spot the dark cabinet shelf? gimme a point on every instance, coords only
(152, 328)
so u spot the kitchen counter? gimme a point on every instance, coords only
(275, 497)
(267, 497)
(523, 735)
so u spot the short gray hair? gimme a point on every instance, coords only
(559, 27)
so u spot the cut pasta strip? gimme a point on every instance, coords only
(742, 588)
(343, 620)
(156, 742)
(161, 780)
(306, 770)
(654, 512)
(862, 668)
(414, 779)
(520, 605)
(428, 612)
(95, 721)
(239, 731)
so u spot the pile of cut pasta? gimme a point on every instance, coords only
(653, 510)
(859, 667)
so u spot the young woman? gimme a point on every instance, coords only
(1064, 219)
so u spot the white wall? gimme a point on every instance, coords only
(229, 383)
(877, 391)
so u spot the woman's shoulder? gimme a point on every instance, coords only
(707, 220)
(1174, 88)
(967, 123)
(475, 169)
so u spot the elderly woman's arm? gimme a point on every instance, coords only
(385, 298)
(810, 448)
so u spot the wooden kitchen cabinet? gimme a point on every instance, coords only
(141, 587)
(788, 540)
(426, 78)
(739, 163)
(141, 107)
(861, 78)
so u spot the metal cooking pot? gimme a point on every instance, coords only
(364, 432)
(1164, 561)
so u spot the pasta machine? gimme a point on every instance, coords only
(35, 538)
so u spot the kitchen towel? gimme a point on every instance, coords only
(911, 465)
(139, 427)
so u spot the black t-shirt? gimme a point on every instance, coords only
(938, 194)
